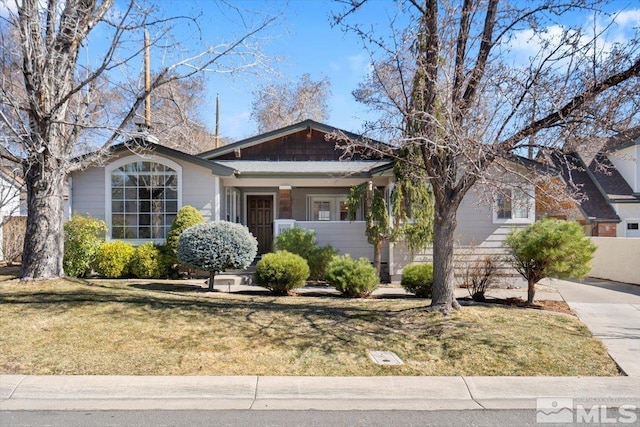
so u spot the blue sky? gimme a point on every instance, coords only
(302, 41)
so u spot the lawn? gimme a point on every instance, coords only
(175, 328)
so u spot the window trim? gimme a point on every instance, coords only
(107, 189)
(527, 191)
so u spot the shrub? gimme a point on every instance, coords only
(113, 258)
(217, 246)
(354, 278)
(301, 241)
(83, 236)
(149, 261)
(480, 276)
(549, 248)
(187, 216)
(281, 272)
(418, 279)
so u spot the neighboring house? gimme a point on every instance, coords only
(608, 186)
(11, 192)
(284, 178)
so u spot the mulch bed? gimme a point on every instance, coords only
(547, 305)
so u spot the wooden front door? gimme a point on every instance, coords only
(260, 220)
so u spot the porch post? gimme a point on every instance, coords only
(285, 210)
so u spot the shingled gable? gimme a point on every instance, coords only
(304, 141)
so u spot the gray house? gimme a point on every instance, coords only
(271, 182)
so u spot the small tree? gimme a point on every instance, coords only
(187, 216)
(549, 248)
(217, 246)
(83, 236)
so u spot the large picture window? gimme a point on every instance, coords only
(144, 200)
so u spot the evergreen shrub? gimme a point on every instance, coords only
(149, 262)
(418, 279)
(113, 258)
(83, 236)
(354, 278)
(301, 241)
(217, 246)
(281, 272)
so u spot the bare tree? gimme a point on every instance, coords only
(466, 84)
(282, 104)
(56, 110)
(175, 116)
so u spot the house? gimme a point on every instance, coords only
(12, 203)
(271, 182)
(607, 185)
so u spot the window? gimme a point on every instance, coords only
(232, 205)
(513, 205)
(144, 199)
(327, 208)
(632, 226)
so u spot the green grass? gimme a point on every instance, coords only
(173, 328)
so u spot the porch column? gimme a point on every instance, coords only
(285, 210)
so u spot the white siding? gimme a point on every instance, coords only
(626, 211)
(87, 193)
(626, 161)
(9, 204)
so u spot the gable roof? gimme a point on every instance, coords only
(272, 135)
(622, 140)
(611, 183)
(148, 146)
(578, 178)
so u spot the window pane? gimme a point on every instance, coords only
(138, 207)
(504, 204)
(322, 211)
(632, 226)
(344, 212)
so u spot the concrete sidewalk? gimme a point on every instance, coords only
(307, 393)
(611, 311)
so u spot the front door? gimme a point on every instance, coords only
(260, 220)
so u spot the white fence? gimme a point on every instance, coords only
(617, 258)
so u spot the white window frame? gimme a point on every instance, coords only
(232, 205)
(107, 187)
(335, 200)
(528, 199)
(626, 226)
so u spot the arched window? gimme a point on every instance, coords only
(144, 198)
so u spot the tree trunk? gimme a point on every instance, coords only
(377, 257)
(443, 298)
(212, 275)
(44, 238)
(531, 291)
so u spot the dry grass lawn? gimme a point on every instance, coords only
(173, 328)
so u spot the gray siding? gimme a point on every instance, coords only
(88, 190)
(87, 193)
(346, 237)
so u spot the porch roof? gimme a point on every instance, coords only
(356, 168)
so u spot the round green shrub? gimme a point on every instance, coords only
(418, 279)
(354, 278)
(148, 261)
(281, 272)
(187, 216)
(113, 258)
(83, 236)
(302, 241)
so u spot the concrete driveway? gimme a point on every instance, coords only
(611, 311)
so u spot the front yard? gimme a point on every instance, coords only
(110, 327)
